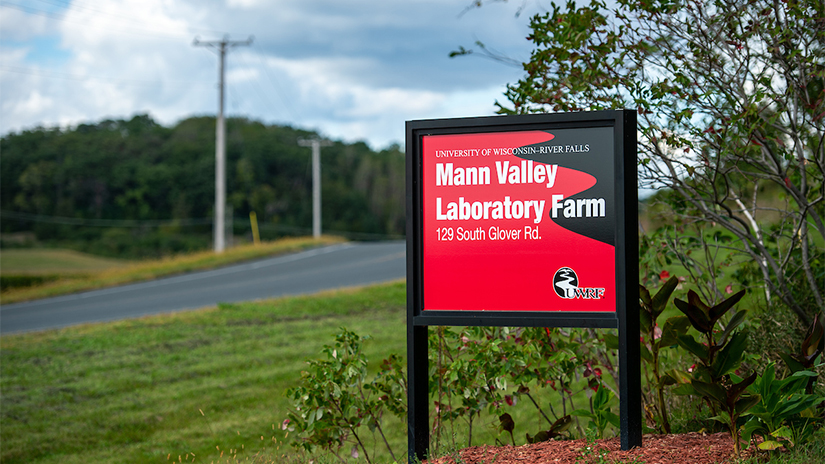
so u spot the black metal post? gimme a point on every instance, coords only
(627, 285)
(418, 424)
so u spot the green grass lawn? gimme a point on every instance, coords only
(54, 261)
(201, 383)
(195, 383)
(204, 386)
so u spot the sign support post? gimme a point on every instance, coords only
(418, 395)
(630, 374)
(522, 221)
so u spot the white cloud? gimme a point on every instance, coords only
(243, 74)
(13, 56)
(34, 104)
(16, 25)
(245, 3)
(352, 70)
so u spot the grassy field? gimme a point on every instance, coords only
(205, 386)
(202, 386)
(75, 272)
(193, 384)
(54, 261)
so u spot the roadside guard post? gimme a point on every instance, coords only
(524, 221)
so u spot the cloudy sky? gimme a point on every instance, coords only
(352, 69)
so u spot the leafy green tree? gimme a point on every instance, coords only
(731, 100)
(104, 187)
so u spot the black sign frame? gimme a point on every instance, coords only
(626, 317)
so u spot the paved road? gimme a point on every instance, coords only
(305, 272)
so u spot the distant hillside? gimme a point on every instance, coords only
(112, 188)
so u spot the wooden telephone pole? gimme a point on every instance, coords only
(218, 226)
(316, 144)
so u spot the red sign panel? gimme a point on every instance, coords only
(519, 221)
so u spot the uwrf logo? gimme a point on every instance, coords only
(566, 285)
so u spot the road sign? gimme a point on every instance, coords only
(525, 220)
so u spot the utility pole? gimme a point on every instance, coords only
(218, 228)
(316, 144)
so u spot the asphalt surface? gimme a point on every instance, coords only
(330, 267)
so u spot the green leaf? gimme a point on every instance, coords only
(808, 374)
(783, 432)
(696, 301)
(679, 376)
(730, 356)
(744, 404)
(611, 341)
(793, 364)
(601, 398)
(667, 380)
(710, 391)
(506, 422)
(659, 302)
(753, 425)
(583, 413)
(798, 406)
(645, 353)
(697, 349)
(674, 326)
(735, 322)
(814, 342)
(735, 390)
(561, 424)
(612, 418)
(644, 295)
(769, 445)
(540, 437)
(766, 381)
(645, 320)
(697, 317)
(723, 417)
(716, 312)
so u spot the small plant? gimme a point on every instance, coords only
(557, 429)
(507, 425)
(475, 373)
(335, 399)
(601, 416)
(784, 415)
(719, 354)
(486, 369)
(590, 455)
(812, 346)
(655, 339)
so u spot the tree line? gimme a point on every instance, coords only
(136, 188)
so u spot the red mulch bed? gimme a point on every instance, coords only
(689, 448)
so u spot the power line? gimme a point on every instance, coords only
(103, 222)
(78, 77)
(130, 223)
(256, 85)
(284, 100)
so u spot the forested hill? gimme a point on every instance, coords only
(136, 188)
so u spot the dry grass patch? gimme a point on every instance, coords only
(153, 269)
